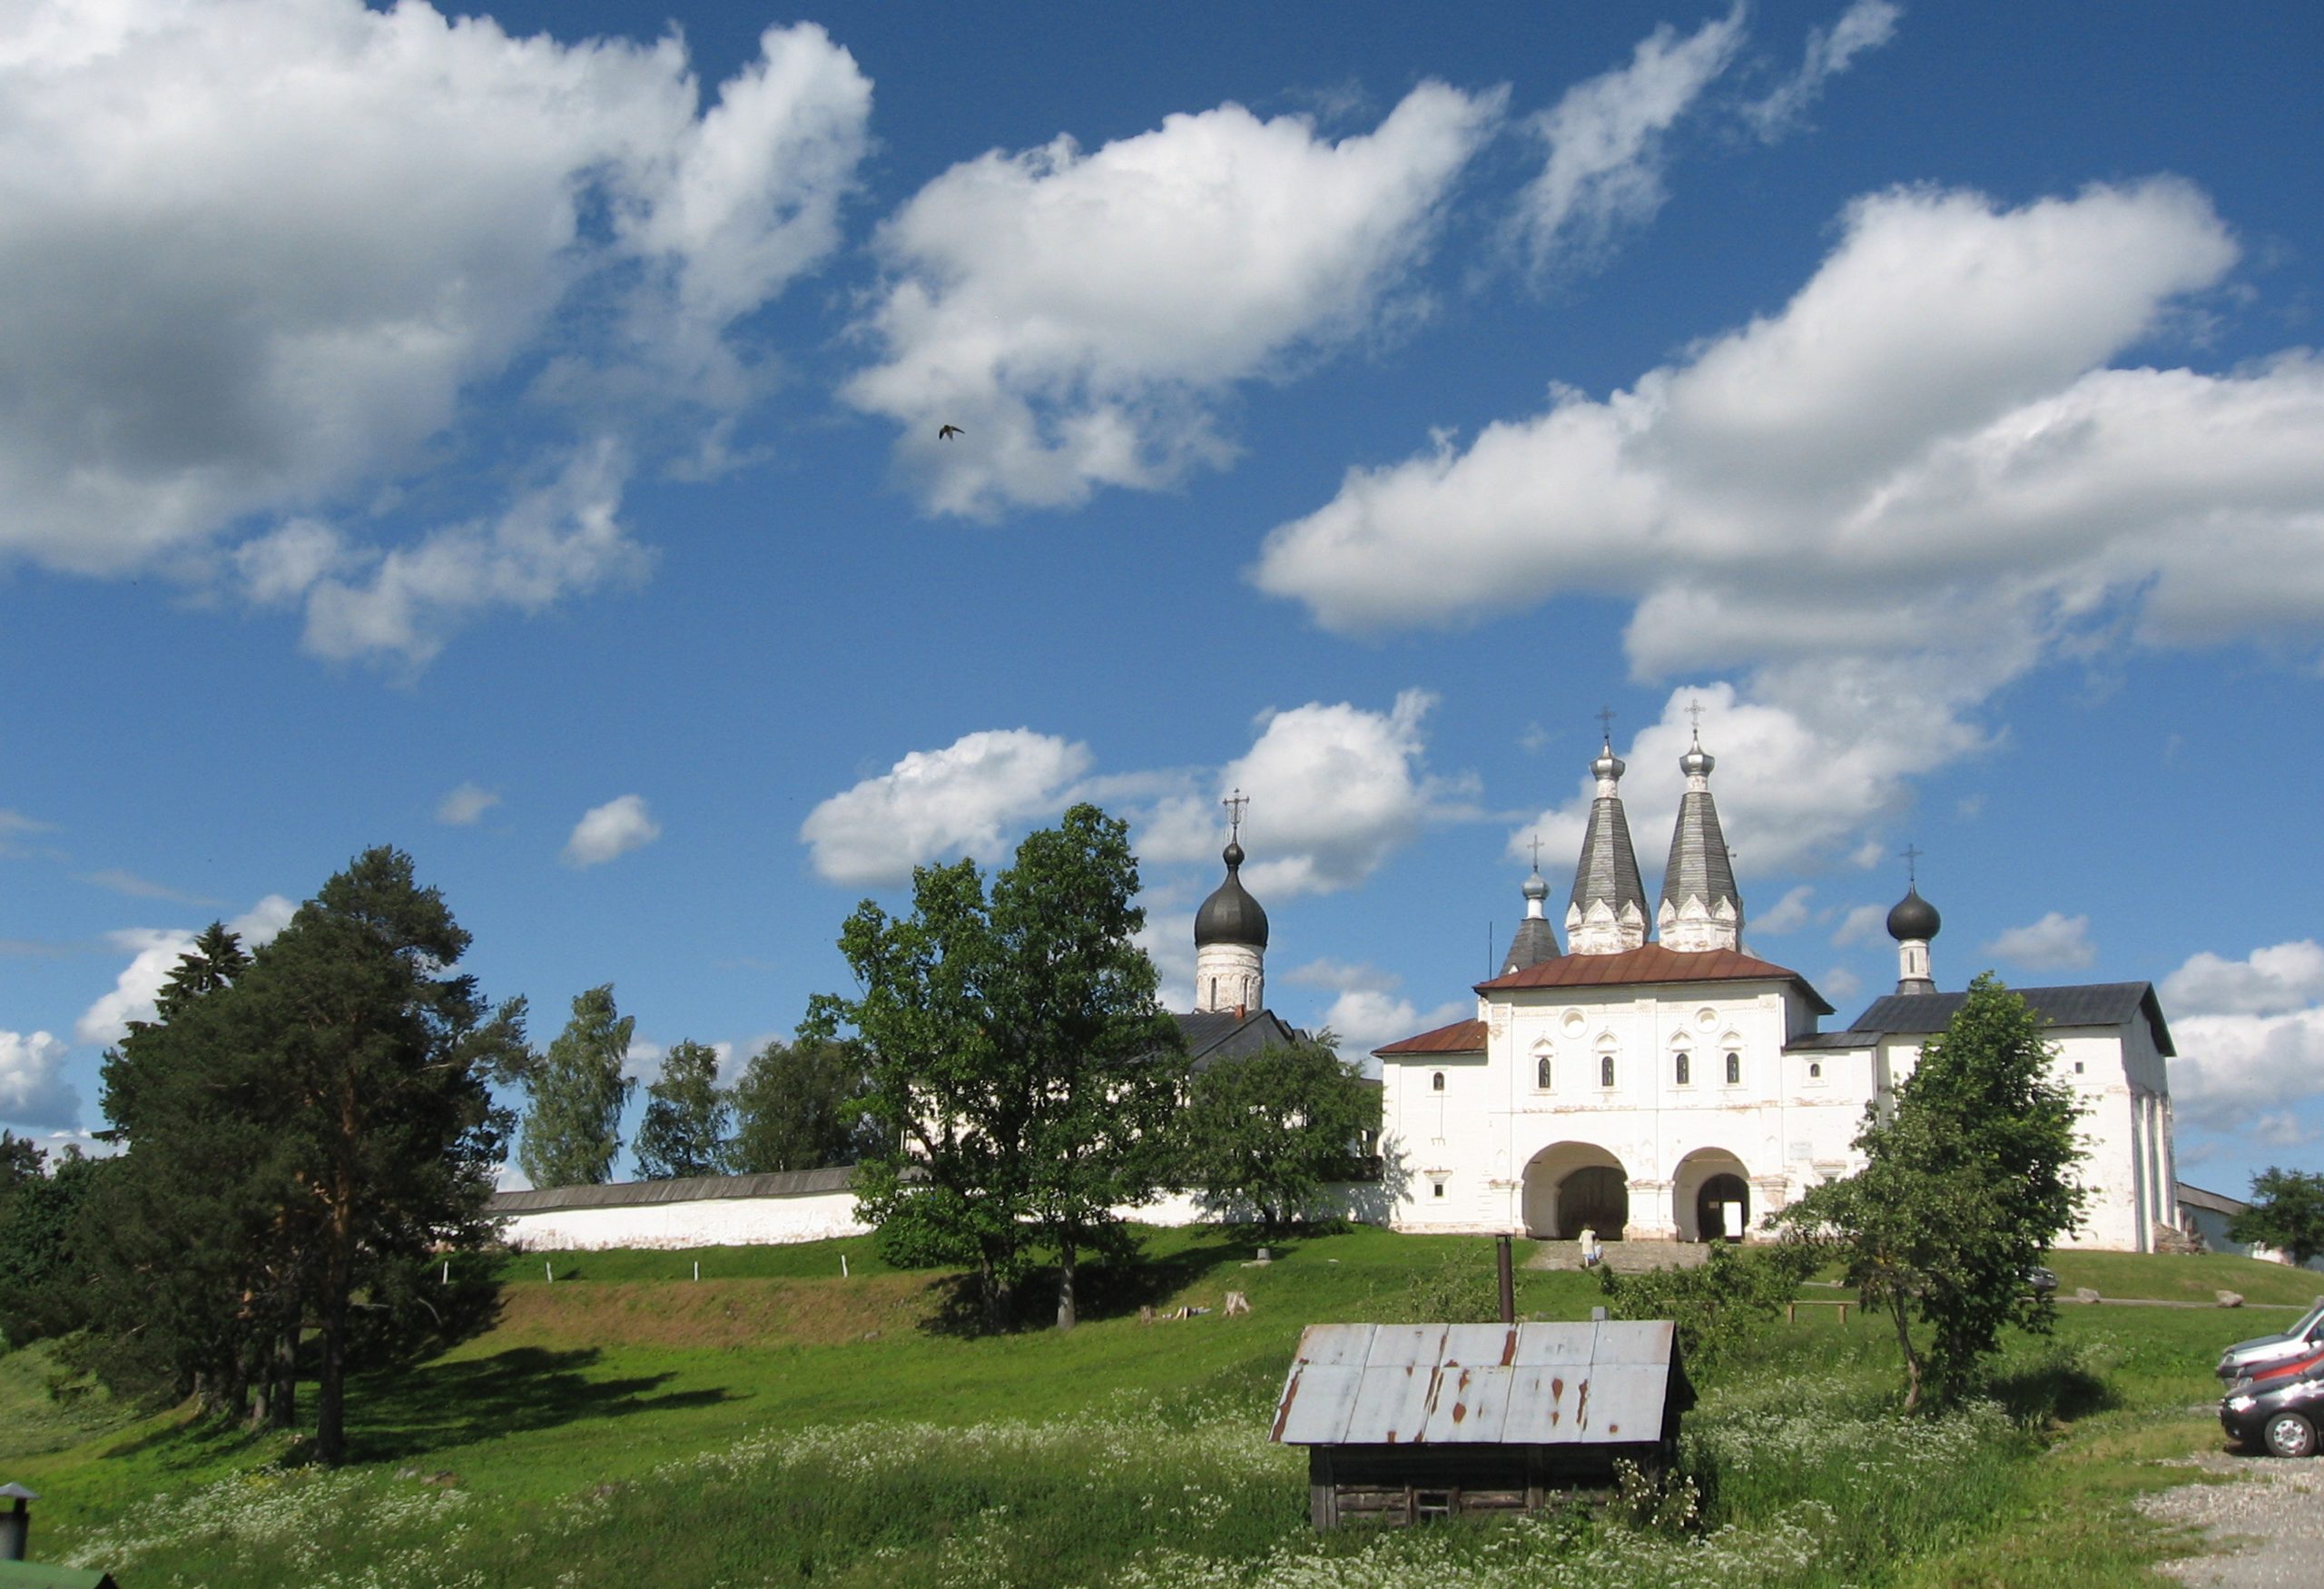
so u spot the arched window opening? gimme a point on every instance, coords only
(1541, 1072)
(1815, 1069)
(1605, 1069)
(1437, 1083)
(1685, 1067)
(1734, 1070)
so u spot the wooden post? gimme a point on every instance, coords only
(1508, 1281)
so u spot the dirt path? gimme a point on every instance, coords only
(2263, 1530)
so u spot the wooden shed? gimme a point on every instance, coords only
(1404, 1422)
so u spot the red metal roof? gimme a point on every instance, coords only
(1463, 1037)
(1651, 963)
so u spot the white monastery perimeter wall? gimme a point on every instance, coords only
(776, 1216)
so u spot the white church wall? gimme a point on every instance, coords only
(775, 1221)
(703, 1222)
(2118, 1077)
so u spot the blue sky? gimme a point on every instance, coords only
(512, 437)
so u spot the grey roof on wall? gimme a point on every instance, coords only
(2195, 1196)
(2090, 1004)
(1213, 1035)
(1698, 867)
(685, 1189)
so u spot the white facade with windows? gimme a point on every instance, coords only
(1654, 1092)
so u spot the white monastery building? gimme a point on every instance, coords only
(1683, 1089)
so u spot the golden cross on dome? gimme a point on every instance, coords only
(1234, 803)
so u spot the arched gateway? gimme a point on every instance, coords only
(1711, 1196)
(1571, 1185)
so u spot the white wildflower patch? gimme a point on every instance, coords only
(1527, 1553)
(389, 1534)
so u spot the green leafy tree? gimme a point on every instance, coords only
(575, 1093)
(1021, 1074)
(1967, 1182)
(1720, 1304)
(2287, 1213)
(42, 1291)
(800, 1105)
(688, 1117)
(1267, 1132)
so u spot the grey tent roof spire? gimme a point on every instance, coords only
(1608, 911)
(1536, 941)
(1700, 907)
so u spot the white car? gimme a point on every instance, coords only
(2241, 1358)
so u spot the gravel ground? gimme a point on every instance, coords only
(2263, 1530)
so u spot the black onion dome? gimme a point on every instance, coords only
(1913, 917)
(1230, 915)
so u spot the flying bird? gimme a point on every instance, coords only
(946, 432)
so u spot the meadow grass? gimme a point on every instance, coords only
(774, 1424)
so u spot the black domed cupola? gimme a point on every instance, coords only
(1230, 915)
(1231, 934)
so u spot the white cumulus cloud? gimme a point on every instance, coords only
(465, 804)
(154, 953)
(1078, 314)
(259, 253)
(1335, 789)
(608, 831)
(2250, 1034)
(2055, 942)
(1605, 141)
(33, 1089)
(1874, 507)
(1368, 1018)
(938, 803)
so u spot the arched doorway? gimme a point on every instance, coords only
(1723, 1208)
(1573, 1185)
(1713, 1199)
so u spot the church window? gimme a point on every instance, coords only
(1440, 1188)
(1541, 1072)
(1685, 1067)
(1214, 993)
(1605, 1069)
(1437, 1083)
(2077, 1067)
(1815, 1069)
(1734, 1070)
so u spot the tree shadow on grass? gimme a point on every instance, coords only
(520, 1390)
(1115, 1289)
(2059, 1389)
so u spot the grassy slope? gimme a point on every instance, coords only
(625, 1365)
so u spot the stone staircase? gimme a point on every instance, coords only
(1624, 1258)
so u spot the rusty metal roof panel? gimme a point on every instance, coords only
(1470, 1407)
(1562, 1344)
(1398, 1346)
(1346, 1344)
(1541, 1400)
(1619, 1403)
(1473, 1346)
(1634, 1340)
(1316, 1401)
(1391, 1404)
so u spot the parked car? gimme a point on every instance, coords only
(2240, 1359)
(2278, 1411)
(2041, 1278)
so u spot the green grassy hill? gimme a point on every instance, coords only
(774, 1423)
